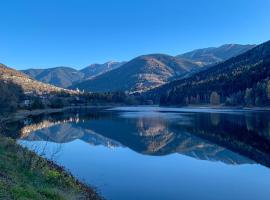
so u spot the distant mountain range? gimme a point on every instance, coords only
(138, 75)
(58, 76)
(213, 55)
(202, 76)
(241, 80)
(66, 76)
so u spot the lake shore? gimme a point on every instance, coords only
(23, 186)
(25, 175)
(21, 114)
(209, 106)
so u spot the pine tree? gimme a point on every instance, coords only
(249, 96)
(214, 98)
(268, 90)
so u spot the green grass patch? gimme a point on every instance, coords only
(26, 176)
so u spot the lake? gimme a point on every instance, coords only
(139, 153)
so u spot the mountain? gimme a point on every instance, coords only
(58, 76)
(26, 83)
(98, 69)
(150, 71)
(140, 74)
(241, 80)
(213, 55)
(66, 76)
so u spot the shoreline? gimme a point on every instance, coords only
(24, 174)
(10, 147)
(21, 114)
(87, 190)
(208, 106)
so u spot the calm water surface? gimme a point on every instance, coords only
(133, 153)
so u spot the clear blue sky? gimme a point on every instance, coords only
(76, 33)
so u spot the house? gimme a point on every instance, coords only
(27, 102)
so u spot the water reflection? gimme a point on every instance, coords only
(157, 153)
(233, 138)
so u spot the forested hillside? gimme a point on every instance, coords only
(242, 80)
(140, 74)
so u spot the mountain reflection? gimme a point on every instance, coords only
(232, 138)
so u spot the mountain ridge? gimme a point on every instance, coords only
(145, 73)
(213, 55)
(142, 72)
(243, 79)
(65, 77)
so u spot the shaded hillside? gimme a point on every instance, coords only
(212, 55)
(66, 76)
(58, 76)
(242, 80)
(140, 74)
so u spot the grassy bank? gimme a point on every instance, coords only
(24, 175)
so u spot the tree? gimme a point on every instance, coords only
(249, 96)
(268, 90)
(57, 103)
(258, 101)
(37, 104)
(198, 99)
(214, 98)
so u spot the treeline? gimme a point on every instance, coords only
(112, 97)
(85, 99)
(243, 80)
(231, 91)
(12, 98)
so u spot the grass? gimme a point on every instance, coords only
(25, 176)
